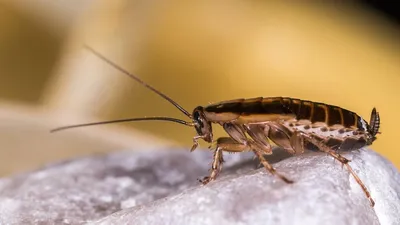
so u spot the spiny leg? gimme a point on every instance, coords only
(279, 134)
(269, 167)
(223, 144)
(322, 147)
(216, 166)
(345, 162)
(261, 146)
(230, 145)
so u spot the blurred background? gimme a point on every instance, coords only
(197, 52)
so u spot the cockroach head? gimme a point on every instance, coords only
(202, 125)
(374, 124)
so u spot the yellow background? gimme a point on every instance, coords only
(209, 51)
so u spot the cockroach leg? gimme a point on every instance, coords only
(216, 166)
(298, 143)
(280, 136)
(345, 162)
(269, 167)
(196, 142)
(322, 147)
(259, 133)
(361, 184)
(230, 145)
(223, 144)
(243, 144)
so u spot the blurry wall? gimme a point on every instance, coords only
(197, 53)
(27, 54)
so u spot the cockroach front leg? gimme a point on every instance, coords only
(216, 167)
(322, 147)
(223, 144)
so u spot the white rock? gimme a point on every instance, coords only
(161, 188)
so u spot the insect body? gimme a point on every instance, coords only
(292, 124)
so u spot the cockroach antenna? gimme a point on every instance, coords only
(140, 81)
(159, 118)
(126, 120)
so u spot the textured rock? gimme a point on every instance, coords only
(160, 187)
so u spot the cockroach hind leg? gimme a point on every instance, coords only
(344, 161)
(363, 187)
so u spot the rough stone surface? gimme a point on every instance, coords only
(160, 187)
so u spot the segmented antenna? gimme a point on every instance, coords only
(140, 81)
(159, 118)
(126, 120)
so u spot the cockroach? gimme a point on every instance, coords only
(292, 124)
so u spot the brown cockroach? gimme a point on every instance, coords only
(292, 124)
